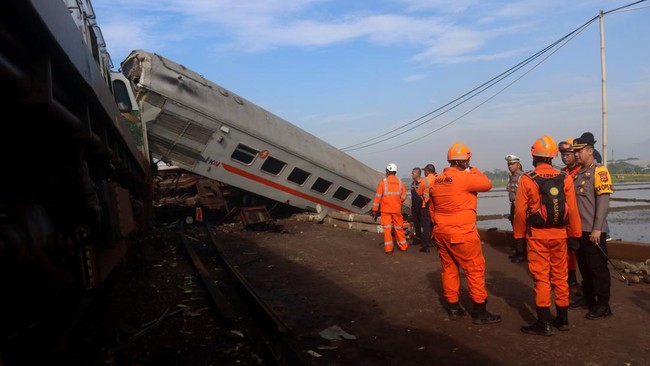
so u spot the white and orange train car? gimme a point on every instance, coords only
(209, 130)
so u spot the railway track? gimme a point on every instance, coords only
(233, 298)
(314, 277)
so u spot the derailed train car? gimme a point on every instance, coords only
(209, 130)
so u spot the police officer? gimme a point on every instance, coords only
(416, 204)
(593, 185)
(515, 172)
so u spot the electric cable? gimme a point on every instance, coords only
(474, 92)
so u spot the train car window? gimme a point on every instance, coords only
(121, 96)
(321, 185)
(244, 154)
(273, 165)
(361, 201)
(342, 194)
(298, 176)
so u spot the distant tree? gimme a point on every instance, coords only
(497, 175)
(621, 167)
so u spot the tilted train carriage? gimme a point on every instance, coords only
(209, 130)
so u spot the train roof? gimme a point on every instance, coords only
(223, 107)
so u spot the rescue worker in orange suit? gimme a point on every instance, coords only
(391, 193)
(547, 245)
(593, 185)
(423, 192)
(571, 167)
(515, 171)
(454, 195)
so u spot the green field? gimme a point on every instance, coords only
(631, 177)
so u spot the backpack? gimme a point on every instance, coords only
(553, 210)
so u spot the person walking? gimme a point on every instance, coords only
(391, 193)
(593, 185)
(515, 171)
(571, 167)
(454, 196)
(416, 204)
(425, 213)
(547, 241)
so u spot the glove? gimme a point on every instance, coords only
(520, 245)
(375, 214)
(573, 243)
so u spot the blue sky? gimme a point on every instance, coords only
(349, 71)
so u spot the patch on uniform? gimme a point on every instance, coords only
(602, 181)
(603, 176)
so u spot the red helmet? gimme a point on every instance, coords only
(544, 147)
(459, 151)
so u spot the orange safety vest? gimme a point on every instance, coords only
(423, 189)
(391, 192)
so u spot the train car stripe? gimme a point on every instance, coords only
(272, 184)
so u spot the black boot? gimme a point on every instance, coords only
(600, 310)
(480, 315)
(561, 321)
(455, 311)
(543, 324)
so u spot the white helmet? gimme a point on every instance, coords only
(391, 167)
(512, 158)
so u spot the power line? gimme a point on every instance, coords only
(460, 100)
(492, 96)
(474, 92)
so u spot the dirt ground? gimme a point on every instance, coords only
(389, 307)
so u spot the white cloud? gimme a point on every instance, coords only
(427, 33)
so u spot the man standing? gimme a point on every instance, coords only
(593, 185)
(391, 193)
(547, 239)
(453, 199)
(571, 167)
(416, 204)
(515, 172)
(423, 192)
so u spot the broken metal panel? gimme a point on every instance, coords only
(255, 215)
(181, 188)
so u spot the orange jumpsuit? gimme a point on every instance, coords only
(391, 193)
(547, 247)
(454, 195)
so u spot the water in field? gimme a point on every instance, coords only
(627, 220)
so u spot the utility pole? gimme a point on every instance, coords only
(603, 73)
